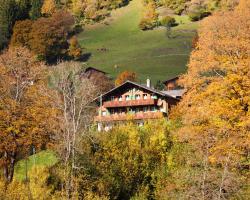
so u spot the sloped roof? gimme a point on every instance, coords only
(175, 93)
(171, 79)
(95, 69)
(138, 85)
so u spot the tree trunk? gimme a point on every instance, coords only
(5, 168)
(9, 168)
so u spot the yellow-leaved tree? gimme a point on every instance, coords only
(49, 7)
(215, 111)
(26, 113)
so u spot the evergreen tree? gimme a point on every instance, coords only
(8, 10)
(35, 11)
(23, 9)
(159, 85)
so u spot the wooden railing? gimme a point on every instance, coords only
(140, 102)
(124, 117)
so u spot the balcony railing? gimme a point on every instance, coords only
(129, 103)
(124, 117)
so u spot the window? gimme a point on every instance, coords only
(153, 96)
(120, 98)
(140, 124)
(137, 110)
(131, 111)
(137, 96)
(112, 98)
(112, 111)
(145, 109)
(104, 113)
(127, 97)
(153, 108)
(145, 96)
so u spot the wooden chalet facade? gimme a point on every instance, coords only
(132, 101)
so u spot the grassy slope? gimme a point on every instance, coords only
(43, 158)
(149, 53)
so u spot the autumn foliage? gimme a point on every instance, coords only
(46, 37)
(150, 16)
(49, 7)
(24, 107)
(215, 111)
(124, 76)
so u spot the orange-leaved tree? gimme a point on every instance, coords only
(26, 114)
(215, 111)
(48, 37)
(124, 76)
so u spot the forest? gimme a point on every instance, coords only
(50, 147)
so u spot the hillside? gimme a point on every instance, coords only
(118, 44)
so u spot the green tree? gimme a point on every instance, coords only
(23, 9)
(35, 11)
(8, 9)
(159, 85)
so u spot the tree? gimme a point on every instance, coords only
(49, 7)
(73, 98)
(215, 110)
(35, 11)
(23, 9)
(21, 33)
(48, 37)
(124, 162)
(124, 76)
(8, 9)
(150, 16)
(24, 108)
(75, 50)
(159, 85)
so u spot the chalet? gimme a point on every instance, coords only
(172, 83)
(172, 88)
(132, 101)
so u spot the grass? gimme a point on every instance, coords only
(149, 53)
(43, 158)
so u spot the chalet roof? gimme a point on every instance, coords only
(138, 85)
(171, 79)
(175, 93)
(95, 69)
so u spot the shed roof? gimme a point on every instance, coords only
(171, 79)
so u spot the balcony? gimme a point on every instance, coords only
(124, 117)
(129, 103)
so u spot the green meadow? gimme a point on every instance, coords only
(117, 44)
(43, 158)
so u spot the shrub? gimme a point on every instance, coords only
(146, 24)
(198, 15)
(168, 21)
(74, 50)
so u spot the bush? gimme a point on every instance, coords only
(168, 21)
(122, 163)
(146, 24)
(198, 15)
